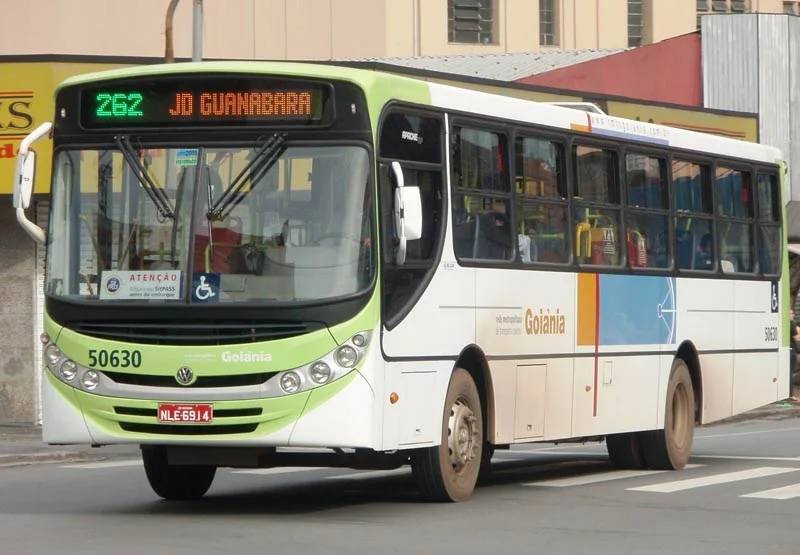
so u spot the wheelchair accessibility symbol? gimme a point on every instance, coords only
(774, 297)
(205, 288)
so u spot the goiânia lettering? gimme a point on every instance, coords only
(545, 322)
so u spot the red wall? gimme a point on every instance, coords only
(669, 71)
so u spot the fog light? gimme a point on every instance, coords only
(346, 356)
(320, 372)
(52, 353)
(69, 370)
(44, 338)
(90, 379)
(290, 382)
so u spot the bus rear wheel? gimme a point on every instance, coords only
(670, 447)
(625, 451)
(175, 482)
(449, 471)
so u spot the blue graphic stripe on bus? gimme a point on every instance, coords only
(630, 136)
(637, 310)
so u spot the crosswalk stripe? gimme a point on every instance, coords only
(373, 474)
(787, 492)
(680, 485)
(107, 464)
(597, 477)
(593, 478)
(278, 470)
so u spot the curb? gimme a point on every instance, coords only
(772, 412)
(23, 459)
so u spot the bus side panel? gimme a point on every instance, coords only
(526, 326)
(623, 323)
(756, 327)
(442, 321)
(705, 320)
(415, 420)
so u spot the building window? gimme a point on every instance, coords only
(470, 21)
(635, 23)
(547, 23)
(791, 8)
(725, 6)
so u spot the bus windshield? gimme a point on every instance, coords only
(265, 223)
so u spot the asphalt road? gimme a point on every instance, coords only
(740, 496)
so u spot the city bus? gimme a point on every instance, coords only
(260, 264)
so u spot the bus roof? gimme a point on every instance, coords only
(383, 87)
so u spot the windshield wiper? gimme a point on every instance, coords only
(263, 160)
(156, 194)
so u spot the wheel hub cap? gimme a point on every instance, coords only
(462, 435)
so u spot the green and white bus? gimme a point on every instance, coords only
(245, 259)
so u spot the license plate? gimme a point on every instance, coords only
(195, 414)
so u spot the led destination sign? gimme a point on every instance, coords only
(205, 102)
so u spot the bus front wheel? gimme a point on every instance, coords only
(175, 482)
(670, 447)
(449, 471)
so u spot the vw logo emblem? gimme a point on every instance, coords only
(185, 376)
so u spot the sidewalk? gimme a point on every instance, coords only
(22, 445)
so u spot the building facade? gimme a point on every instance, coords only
(335, 29)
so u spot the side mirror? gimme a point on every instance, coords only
(407, 213)
(24, 178)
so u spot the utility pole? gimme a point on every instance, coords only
(197, 35)
(197, 32)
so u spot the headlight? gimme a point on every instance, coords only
(69, 370)
(90, 380)
(326, 369)
(53, 354)
(290, 382)
(346, 356)
(320, 372)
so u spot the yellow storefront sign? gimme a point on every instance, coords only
(26, 101)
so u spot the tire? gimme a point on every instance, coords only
(625, 451)
(174, 482)
(670, 448)
(449, 471)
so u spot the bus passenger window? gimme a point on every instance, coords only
(596, 211)
(481, 197)
(691, 185)
(647, 217)
(769, 225)
(541, 206)
(736, 223)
